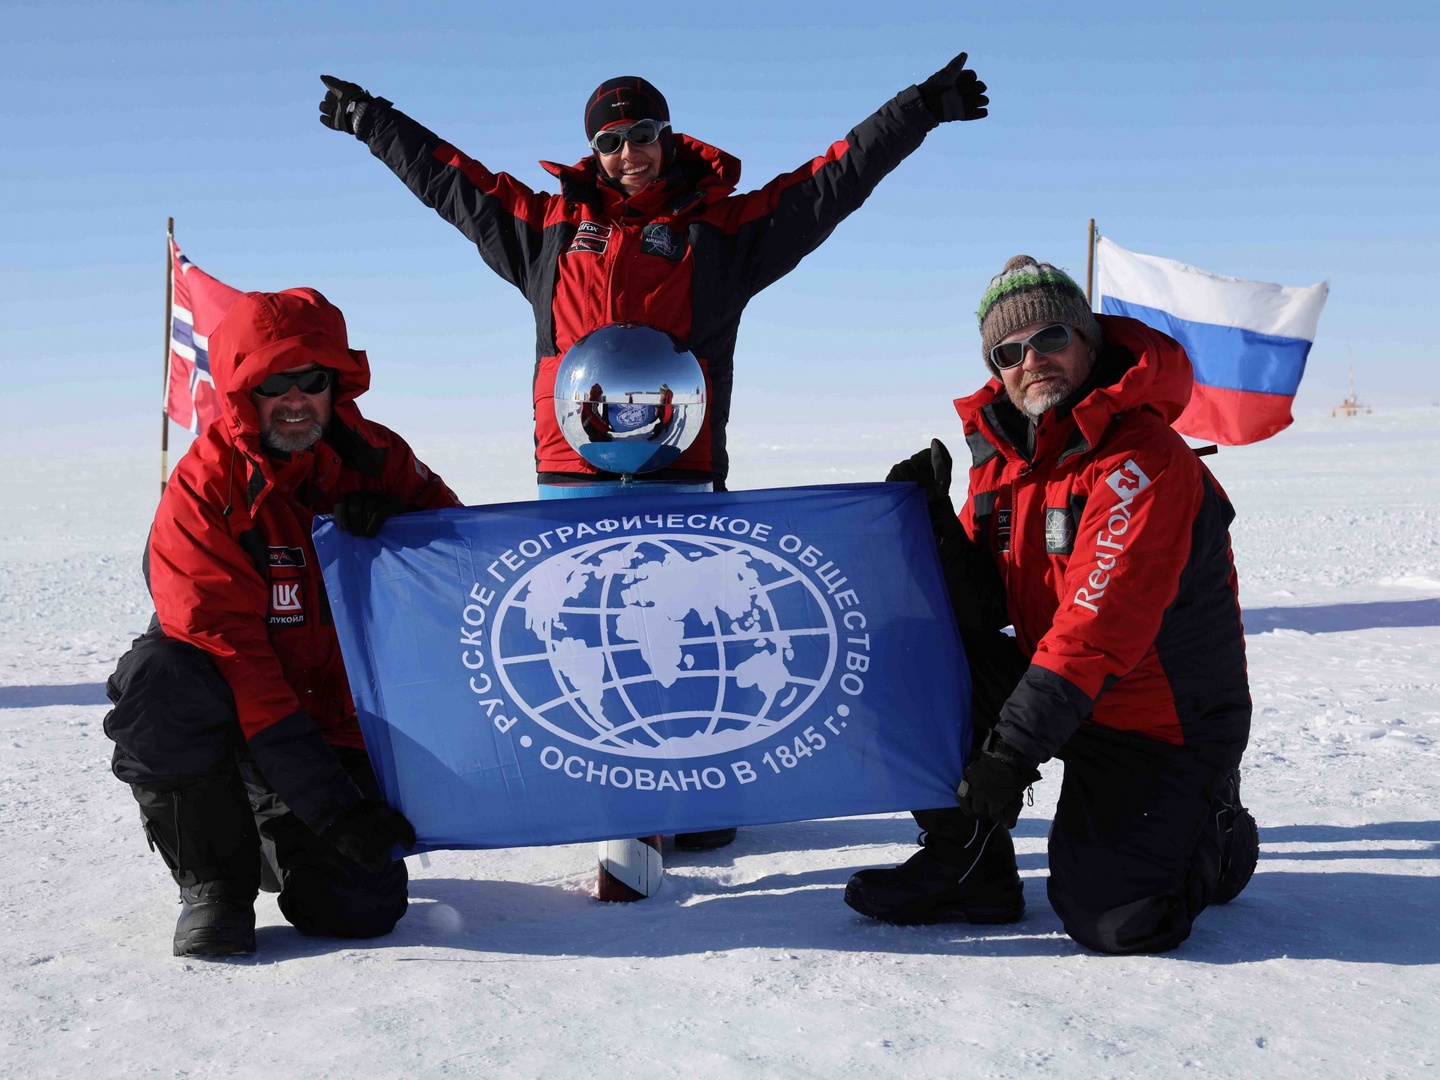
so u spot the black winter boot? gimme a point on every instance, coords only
(971, 878)
(1239, 842)
(216, 919)
(204, 830)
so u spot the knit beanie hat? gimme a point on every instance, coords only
(1028, 292)
(621, 100)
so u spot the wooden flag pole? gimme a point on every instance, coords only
(1090, 266)
(165, 386)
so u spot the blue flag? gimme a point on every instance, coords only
(553, 672)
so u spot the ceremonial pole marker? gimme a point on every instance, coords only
(629, 869)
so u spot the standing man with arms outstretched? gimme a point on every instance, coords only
(647, 229)
(1098, 533)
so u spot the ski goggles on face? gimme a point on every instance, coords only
(1048, 339)
(315, 381)
(640, 133)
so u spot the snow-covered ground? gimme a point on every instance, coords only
(748, 964)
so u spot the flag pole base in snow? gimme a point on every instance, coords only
(629, 869)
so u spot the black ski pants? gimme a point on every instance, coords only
(209, 811)
(1136, 844)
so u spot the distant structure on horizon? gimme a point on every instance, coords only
(1350, 406)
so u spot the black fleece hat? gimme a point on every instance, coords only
(623, 99)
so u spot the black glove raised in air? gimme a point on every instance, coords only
(954, 93)
(995, 782)
(346, 107)
(363, 512)
(368, 833)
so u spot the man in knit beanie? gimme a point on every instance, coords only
(1029, 294)
(1096, 534)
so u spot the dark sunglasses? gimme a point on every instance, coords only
(640, 133)
(315, 381)
(1047, 339)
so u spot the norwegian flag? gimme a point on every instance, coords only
(200, 302)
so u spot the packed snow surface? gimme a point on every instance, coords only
(747, 964)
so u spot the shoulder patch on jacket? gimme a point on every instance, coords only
(1128, 480)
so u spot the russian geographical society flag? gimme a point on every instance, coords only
(594, 669)
(1248, 340)
(200, 302)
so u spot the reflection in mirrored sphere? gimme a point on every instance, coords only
(629, 398)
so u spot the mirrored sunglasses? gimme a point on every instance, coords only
(640, 133)
(1048, 339)
(315, 381)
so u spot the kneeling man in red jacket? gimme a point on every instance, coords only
(1098, 534)
(233, 721)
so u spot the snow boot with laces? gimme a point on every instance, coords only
(968, 875)
(217, 918)
(1239, 841)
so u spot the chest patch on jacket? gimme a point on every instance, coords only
(1059, 531)
(287, 556)
(287, 603)
(659, 239)
(1002, 530)
(590, 236)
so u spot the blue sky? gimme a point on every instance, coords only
(1290, 142)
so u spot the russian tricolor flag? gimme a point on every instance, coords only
(199, 302)
(1248, 340)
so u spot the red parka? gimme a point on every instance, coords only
(686, 254)
(230, 562)
(1111, 538)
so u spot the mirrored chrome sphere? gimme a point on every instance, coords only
(629, 399)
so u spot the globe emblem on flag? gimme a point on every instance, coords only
(664, 646)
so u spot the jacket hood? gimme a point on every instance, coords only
(264, 333)
(698, 167)
(1160, 380)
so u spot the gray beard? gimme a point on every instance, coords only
(1036, 404)
(288, 442)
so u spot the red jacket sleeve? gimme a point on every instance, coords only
(410, 478)
(1132, 545)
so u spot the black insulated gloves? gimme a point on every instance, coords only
(994, 783)
(346, 107)
(952, 93)
(368, 833)
(363, 512)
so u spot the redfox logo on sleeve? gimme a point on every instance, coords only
(1128, 480)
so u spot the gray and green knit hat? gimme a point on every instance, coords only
(1028, 292)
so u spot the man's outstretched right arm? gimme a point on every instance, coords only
(502, 217)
